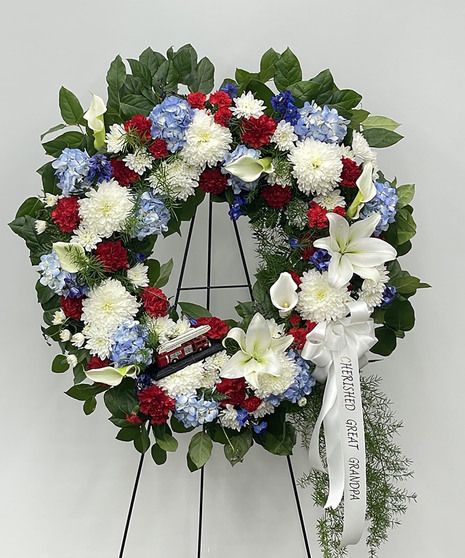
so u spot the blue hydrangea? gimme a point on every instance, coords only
(237, 207)
(129, 345)
(388, 296)
(170, 120)
(284, 105)
(143, 381)
(231, 89)
(71, 168)
(260, 427)
(301, 386)
(383, 203)
(322, 124)
(152, 216)
(73, 287)
(51, 274)
(99, 168)
(242, 417)
(293, 242)
(237, 184)
(320, 259)
(193, 411)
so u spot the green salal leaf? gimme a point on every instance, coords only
(49, 179)
(344, 100)
(70, 107)
(405, 193)
(89, 406)
(165, 439)
(205, 75)
(406, 226)
(200, 449)
(278, 439)
(382, 122)
(68, 139)
(151, 60)
(132, 104)
(378, 137)
(158, 454)
(25, 228)
(400, 315)
(184, 66)
(83, 392)
(121, 400)
(60, 364)
(31, 207)
(243, 77)
(357, 117)
(260, 91)
(237, 447)
(128, 433)
(153, 271)
(142, 441)
(387, 341)
(287, 70)
(319, 89)
(140, 71)
(268, 65)
(194, 310)
(165, 272)
(116, 77)
(51, 130)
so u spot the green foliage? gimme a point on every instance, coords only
(200, 449)
(380, 122)
(237, 446)
(60, 364)
(70, 107)
(194, 310)
(158, 454)
(83, 392)
(165, 440)
(73, 139)
(287, 70)
(280, 436)
(121, 400)
(380, 137)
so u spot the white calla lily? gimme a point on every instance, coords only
(94, 117)
(249, 169)
(354, 250)
(366, 191)
(283, 294)
(258, 352)
(111, 376)
(69, 255)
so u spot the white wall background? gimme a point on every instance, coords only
(65, 482)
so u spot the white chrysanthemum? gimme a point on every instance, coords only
(284, 136)
(139, 161)
(228, 418)
(265, 408)
(247, 106)
(276, 330)
(165, 328)
(106, 307)
(316, 165)
(206, 141)
(318, 300)
(78, 339)
(40, 226)
(86, 238)
(71, 360)
(138, 275)
(184, 382)
(58, 317)
(50, 200)
(211, 369)
(331, 200)
(65, 335)
(362, 151)
(105, 210)
(116, 138)
(372, 291)
(176, 179)
(268, 384)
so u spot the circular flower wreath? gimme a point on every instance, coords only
(297, 159)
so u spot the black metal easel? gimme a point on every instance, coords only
(208, 288)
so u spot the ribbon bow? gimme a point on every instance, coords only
(336, 349)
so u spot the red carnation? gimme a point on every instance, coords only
(350, 173)
(317, 215)
(72, 307)
(296, 277)
(197, 100)
(257, 132)
(134, 419)
(96, 362)
(220, 99)
(154, 403)
(218, 328)
(159, 149)
(122, 174)
(251, 404)
(112, 255)
(233, 389)
(155, 302)
(276, 196)
(294, 319)
(222, 116)
(212, 181)
(300, 334)
(139, 124)
(66, 214)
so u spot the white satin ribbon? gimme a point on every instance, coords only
(336, 348)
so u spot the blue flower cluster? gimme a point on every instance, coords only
(71, 168)
(383, 203)
(322, 124)
(152, 216)
(193, 411)
(51, 274)
(237, 184)
(237, 207)
(99, 168)
(73, 288)
(302, 385)
(129, 345)
(320, 259)
(284, 105)
(231, 89)
(388, 296)
(170, 119)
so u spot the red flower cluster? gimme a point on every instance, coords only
(139, 124)
(257, 132)
(296, 277)
(72, 307)
(276, 196)
(112, 255)
(154, 403)
(220, 99)
(66, 214)
(222, 116)
(350, 173)
(317, 215)
(197, 100)
(122, 174)
(212, 181)
(236, 393)
(300, 334)
(155, 302)
(134, 419)
(159, 149)
(218, 328)
(96, 362)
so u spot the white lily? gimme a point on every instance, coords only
(94, 117)
(366, 191)
(69, 255)
(258, 352)
(249, 169)
(111, 376)
(283, 294)
(353, 250)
